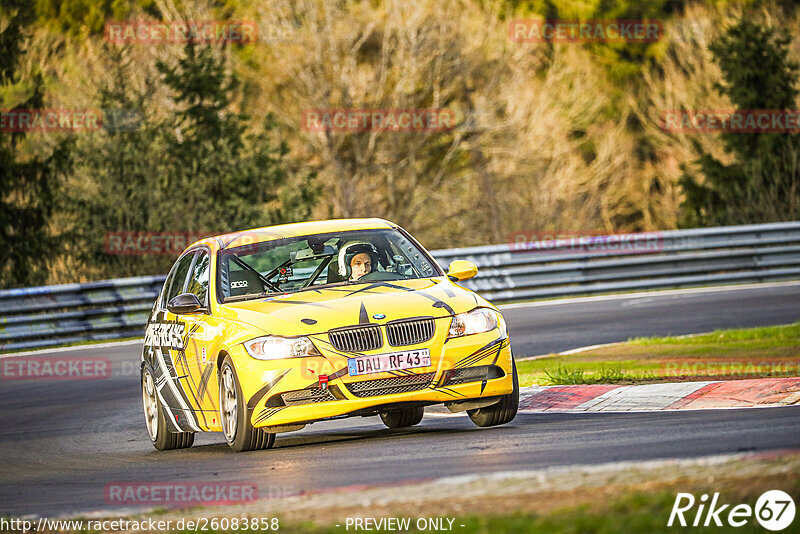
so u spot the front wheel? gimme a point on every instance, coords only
(239, 432)
(403, 418)
(162, 438)
(502, 412)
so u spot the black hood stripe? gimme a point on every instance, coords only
(261, 393)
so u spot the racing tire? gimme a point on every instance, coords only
(162, 437)
(240, 434)
(501, 412)
(403, 418)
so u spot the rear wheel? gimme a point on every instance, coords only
(501, 412)
(162, 438)
(403, 418)
(239, 432)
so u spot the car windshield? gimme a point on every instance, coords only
(307, 262)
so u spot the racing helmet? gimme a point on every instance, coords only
(352, 248)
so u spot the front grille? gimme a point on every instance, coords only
(410, 331)
(471, 374)
(307, 396)
(388, 386)
(356, 338)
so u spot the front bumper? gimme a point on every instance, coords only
(286, 392)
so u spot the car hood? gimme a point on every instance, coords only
(319, 310)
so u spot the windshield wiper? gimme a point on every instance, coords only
(249, 296)
(298, 290)
(328, 286)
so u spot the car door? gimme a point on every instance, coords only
(165, 348)
(200, 349)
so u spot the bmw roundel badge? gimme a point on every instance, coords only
(379, 316)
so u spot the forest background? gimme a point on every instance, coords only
(549, 136)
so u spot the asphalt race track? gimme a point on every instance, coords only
(558, 325)
(62, 442)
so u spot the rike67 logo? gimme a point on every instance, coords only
(774, 510)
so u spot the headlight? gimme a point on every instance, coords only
(275, 348)
(475, 322)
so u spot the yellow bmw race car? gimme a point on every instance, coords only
(271, 329)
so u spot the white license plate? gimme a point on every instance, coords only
(392, 361)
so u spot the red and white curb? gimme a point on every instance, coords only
(667, 396)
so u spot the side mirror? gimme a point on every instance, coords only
(184, 303)
(461, 270)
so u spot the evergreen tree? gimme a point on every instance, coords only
(224, 177)
(116, 184)
(28, 181)
(762, 184)
(196, 169)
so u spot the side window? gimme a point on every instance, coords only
(167, 284)
(182, 269)
(198, 277)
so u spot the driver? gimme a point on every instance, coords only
(356, 259)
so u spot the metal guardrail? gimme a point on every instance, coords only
(54, 315)
(626, 262)
(45, 316)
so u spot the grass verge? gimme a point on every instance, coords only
(772, 351)
(627, 497)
